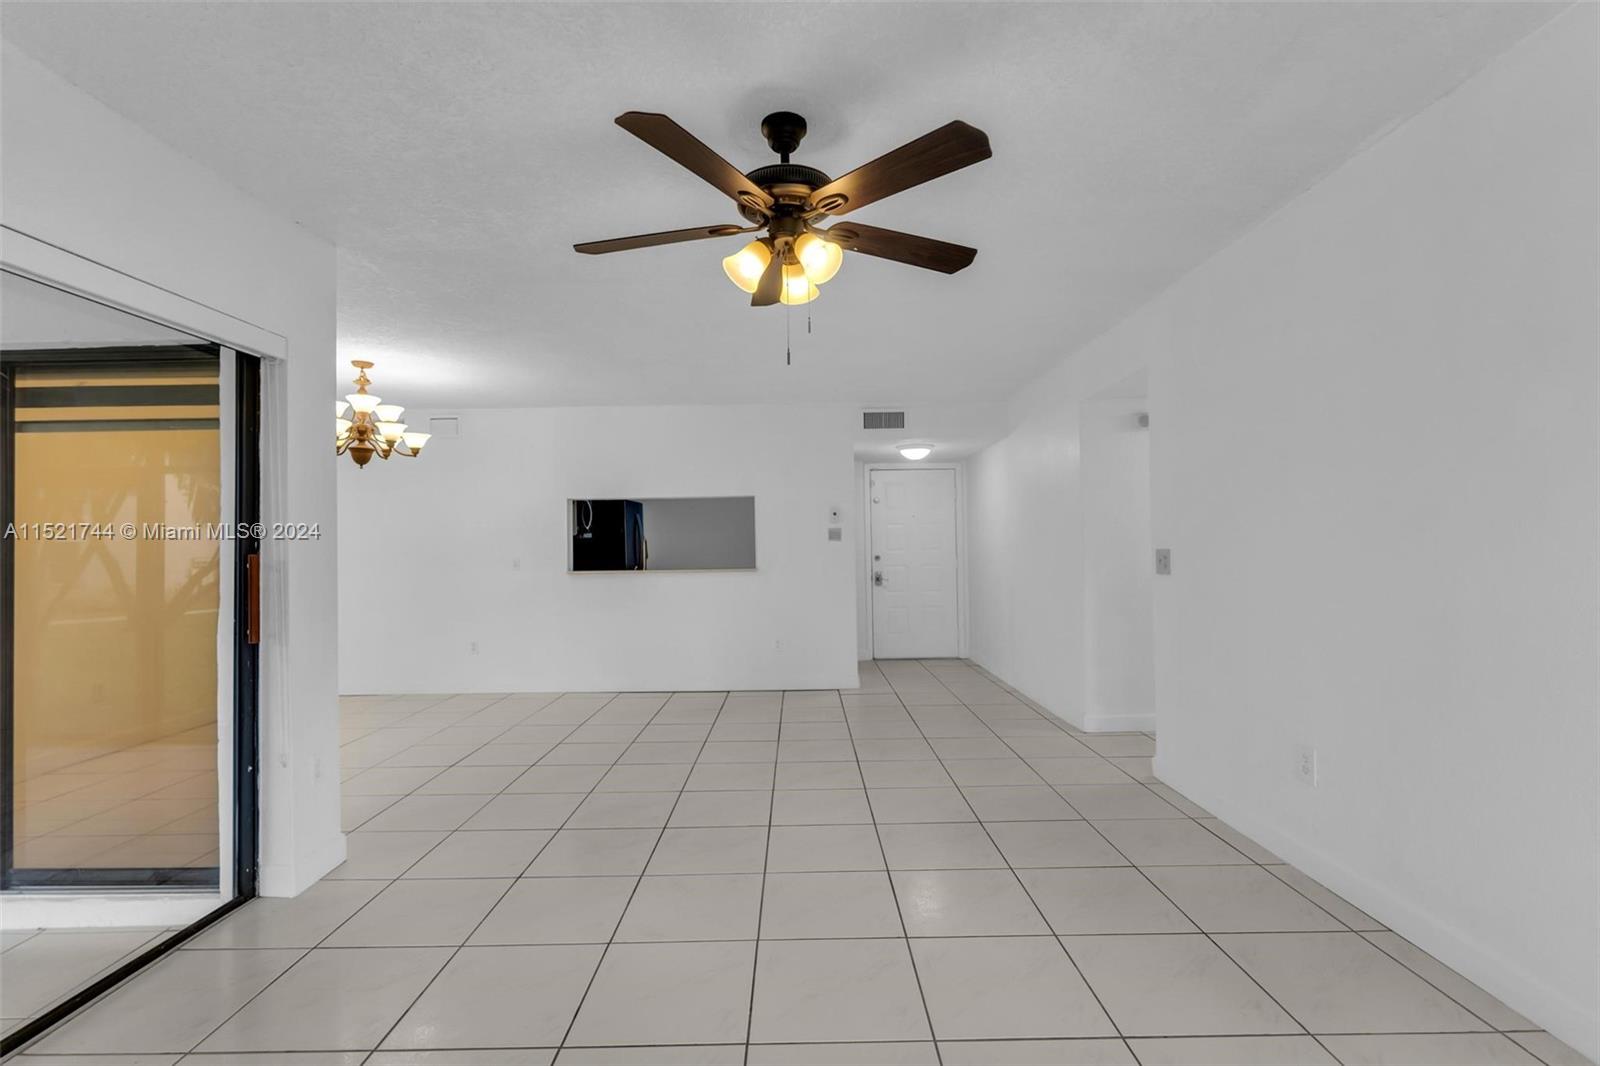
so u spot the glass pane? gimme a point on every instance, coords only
(116, 490)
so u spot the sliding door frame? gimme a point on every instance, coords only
(248, 344)
(90, 879)
(247, 622)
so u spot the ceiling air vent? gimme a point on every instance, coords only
(883, 420)
(445, 427)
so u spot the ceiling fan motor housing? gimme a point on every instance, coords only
(788, 174)
(790, 184)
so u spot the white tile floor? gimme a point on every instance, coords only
(41, 967)
(921, 870)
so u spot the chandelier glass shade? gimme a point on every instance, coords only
(373, 427)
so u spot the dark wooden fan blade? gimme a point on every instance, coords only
(930, 156)
(770, 287)
(650, 240)
(923, 252)
(678, 144)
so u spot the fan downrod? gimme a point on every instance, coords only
(784, 130)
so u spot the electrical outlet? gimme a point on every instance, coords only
(1305, 765)
(472, 649)
(1164, 561)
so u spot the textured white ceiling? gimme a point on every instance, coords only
(455, 151)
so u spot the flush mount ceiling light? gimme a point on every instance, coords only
(374, 427)
(786, 200)
(915, 452)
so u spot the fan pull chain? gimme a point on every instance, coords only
(788, 349)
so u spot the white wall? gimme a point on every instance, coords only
(1375, 459)
(79, 176)
(1026, 553)
(1118, 592)
(469, 544)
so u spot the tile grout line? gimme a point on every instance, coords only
(307, 952)
(907, 710)
(623, 913)
(1191, 921)
(1039, 910)
(761, 903)
(1348, 929)
(304, 952)
(475, 749)
(490, 795)
(888, 875)
(1253, 861)
(513, 882)
(1305, 1029)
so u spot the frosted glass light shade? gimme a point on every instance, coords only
(915, 452)
(745, 267)
(392, 431)
(797, 288)
(415, 441)
(363, 404)
(820, 259)
(338, 408)
(388, 412)
(341, 427)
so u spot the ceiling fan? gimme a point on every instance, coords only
(787, 200)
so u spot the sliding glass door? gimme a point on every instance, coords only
(116, 486)
(128, 489)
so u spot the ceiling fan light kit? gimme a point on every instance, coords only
(787, 200)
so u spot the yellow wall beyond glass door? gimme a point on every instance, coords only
(115, 635)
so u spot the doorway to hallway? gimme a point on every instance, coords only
(914, 566)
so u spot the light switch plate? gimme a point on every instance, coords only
(1164, 561)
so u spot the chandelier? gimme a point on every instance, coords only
(374, 427)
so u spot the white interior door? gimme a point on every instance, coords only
(914, 587)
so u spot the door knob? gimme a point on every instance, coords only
(877, 577)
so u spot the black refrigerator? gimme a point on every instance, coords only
(607, 535)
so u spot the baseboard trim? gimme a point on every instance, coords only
(1075, 721)
(1119, 723)
(1568, 1019)
(286, 879)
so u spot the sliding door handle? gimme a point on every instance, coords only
(252, 582)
